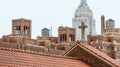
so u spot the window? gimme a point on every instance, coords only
(112, 48)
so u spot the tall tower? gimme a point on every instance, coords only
(21, 27)
(102, 24)
(83, 14)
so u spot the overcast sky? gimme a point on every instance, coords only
(47, 13)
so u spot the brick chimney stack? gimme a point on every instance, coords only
(102, 24)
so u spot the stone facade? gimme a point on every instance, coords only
(83, 14)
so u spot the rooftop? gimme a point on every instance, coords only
(20, 58)
(93, 52)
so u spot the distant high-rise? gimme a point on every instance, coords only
(83, 14)
(45, 32)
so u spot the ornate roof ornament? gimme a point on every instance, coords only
(84, 4)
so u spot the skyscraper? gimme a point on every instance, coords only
(83, 14)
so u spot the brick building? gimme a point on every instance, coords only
(21, 27)
(19, 50)
(66, 34)
(21, 39)
(79, 55)
(108, 41)
(64, 41)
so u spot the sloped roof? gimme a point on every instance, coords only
(102, 55)
(21, 58)
(94, 52)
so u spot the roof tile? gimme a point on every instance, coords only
(21, 58)
(97, 52)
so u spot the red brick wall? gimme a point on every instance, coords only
(9, 45)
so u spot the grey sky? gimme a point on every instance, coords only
(47, 13)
